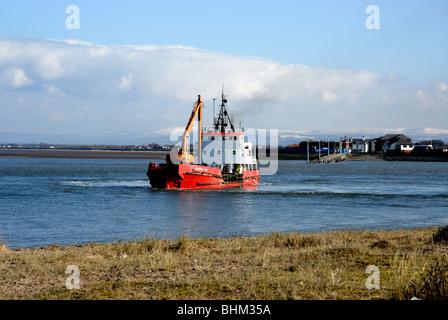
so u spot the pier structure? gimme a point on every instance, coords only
(335, 157)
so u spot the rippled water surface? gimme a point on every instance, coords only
(74, 201)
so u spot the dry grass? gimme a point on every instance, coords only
(276, 266)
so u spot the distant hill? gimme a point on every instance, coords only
(162, 137)
(432, 142)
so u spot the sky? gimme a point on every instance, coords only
(138, 66)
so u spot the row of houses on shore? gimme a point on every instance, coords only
(389, 143)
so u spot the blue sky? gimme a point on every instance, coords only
(332, 34)
(406, 60)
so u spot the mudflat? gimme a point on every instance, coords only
(63, 153)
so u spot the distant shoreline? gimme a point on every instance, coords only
(441, 157)
(398, 157)
(133, 154)
(97, 154)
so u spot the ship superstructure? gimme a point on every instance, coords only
(224, 156)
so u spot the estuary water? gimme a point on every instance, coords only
(76, 201)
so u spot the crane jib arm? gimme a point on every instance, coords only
(197, 110)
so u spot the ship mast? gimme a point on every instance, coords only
(223, 118)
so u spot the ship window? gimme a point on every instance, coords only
(213, 138)
(205, 151)
(234, 152)
(219, 152)
(234, 138)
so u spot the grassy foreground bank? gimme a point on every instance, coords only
(335, 265)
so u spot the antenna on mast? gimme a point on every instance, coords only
(223, 116)
(223, 97)
(214, 111)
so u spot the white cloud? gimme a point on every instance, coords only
(153, 87)
(52, 89)
(14, 78)
(125, 83)
(443, 86)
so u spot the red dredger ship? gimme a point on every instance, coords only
(224, 158)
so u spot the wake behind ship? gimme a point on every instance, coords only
(224, 158)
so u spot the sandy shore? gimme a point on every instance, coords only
(58, 153)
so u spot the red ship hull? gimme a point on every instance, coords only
(190, 176)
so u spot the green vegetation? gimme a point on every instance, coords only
(411, 263)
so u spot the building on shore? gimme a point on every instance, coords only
(360, 145)
(397, 143)
(389, 143)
